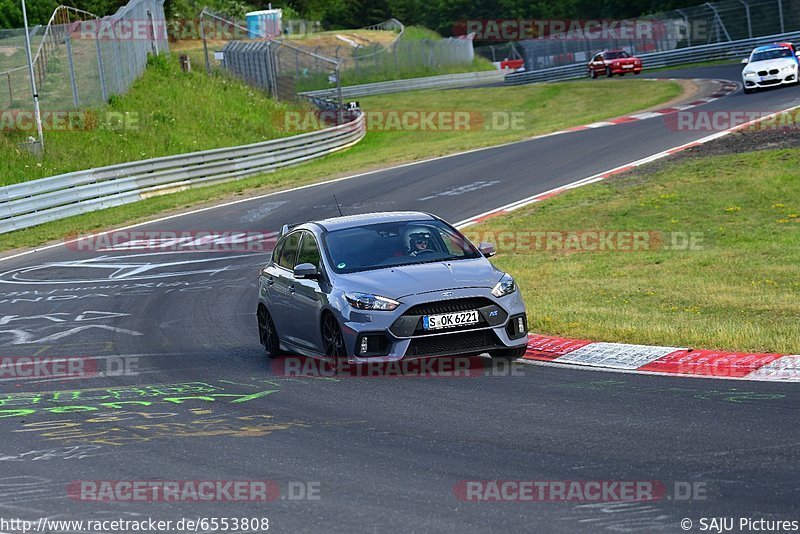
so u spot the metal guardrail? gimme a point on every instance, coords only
(728, 50)
(48, 199)
(447, 81)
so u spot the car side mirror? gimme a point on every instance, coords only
(306, 270)
(745, 61)
(487, 249)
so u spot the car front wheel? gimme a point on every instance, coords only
(608, 72)
(333, 343)
(267, 332)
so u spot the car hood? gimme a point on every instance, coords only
(767, 64)
(398, 282)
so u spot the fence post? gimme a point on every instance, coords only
(71, 63)
(115, 49)
(153, 29)
(205, 44)
(780, 14)
(10, 92)
(103, 88)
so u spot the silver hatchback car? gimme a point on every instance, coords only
(385, 287)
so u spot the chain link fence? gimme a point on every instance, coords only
(81, 60)
(712, 22)
(286, 68)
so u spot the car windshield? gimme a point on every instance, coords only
(377, 246)
(775, 53)
(616, 55)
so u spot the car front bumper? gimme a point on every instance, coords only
(398, 335)
(762, 82)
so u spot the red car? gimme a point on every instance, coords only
(611, 62)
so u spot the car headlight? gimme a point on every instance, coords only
(505, 286)
(367, 301)
(749, 74)
(788, 68)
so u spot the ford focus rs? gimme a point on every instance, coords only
(386, 287)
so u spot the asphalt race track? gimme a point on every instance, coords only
(365, 454)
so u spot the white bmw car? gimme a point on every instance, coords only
(770, 65)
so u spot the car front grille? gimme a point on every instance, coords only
(490, 314)
(449, 306)
(451, 344)
(764, 73)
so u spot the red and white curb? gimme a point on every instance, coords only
(672, 361)
(725, 87)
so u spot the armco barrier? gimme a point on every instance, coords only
(446, 81)
(711, 52)
(39, 201)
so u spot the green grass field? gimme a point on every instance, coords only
(168, 111)
(739, 289)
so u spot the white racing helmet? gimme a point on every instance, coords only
(412, 234)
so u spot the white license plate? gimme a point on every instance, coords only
(448, 320)
(627, 66)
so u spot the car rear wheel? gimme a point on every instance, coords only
(267, 332)
(333, 343)
(509, 354)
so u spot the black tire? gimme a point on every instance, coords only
(333, 343)
(637, 73)
(509, 354)
(267, 333)
(608, 72)
(592, 74)
(748, 91)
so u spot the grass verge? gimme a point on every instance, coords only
(166, 112)
(738, 289)
(545, 108)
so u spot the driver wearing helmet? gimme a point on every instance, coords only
(419, 242)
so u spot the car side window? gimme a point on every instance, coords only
(289, 251)
(309, 251)
(276, 252)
